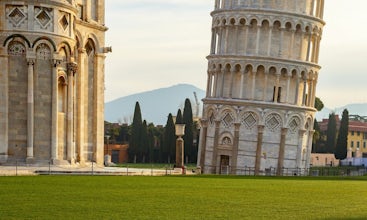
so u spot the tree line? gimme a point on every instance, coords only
(157, 144)
(335, 139)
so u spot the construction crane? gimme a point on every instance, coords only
(197, 105)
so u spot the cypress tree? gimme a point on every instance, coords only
(188, 137)
(316, 137)
(136, 132)
(342, 142)
(169, 141)
(179, 119)
(331, 134)
(144, 148)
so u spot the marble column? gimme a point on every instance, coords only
(4, 109)
(215, 166)
(236, 141)
(281, 151)
(304, 92)
(260, 134)
(309, 148)
(289, 76)
(242, 84)
(233, 72)
(301, 135)
(202, 146)
(265, 86)
(30, 111)
(276, 92)
(253, 87)
(72, 68)
(81, 107)
(297, 90)
(54, 110)
(269, 39)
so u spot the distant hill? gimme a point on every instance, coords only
(155, 105)
(354, 109)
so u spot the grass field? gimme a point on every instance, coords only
(176, 197)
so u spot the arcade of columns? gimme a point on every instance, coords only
(263, 63)
(52, 80)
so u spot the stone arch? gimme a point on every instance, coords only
(92, 37)
(45, 44)
(273, 121)
(232, 21)
(242, 21)
(211, 115)
(250, 119)
(45, 39)
(249, 68)
(24, 40)
(308, 125)
(226, 138)
(228, 117)
(67, 47)
(294, 123)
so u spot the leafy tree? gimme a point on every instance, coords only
(188, 137)
(319, 105)
(169, 141)
(331, 134)
(342, 142)
(136, 133)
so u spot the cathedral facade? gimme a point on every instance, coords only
(262, 74)
(52, 81)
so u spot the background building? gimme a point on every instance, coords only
(357, 133)
(262, 74)
(52, 81)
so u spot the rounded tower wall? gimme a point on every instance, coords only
(262, 75)
(53, 80)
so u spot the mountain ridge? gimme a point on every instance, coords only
(156, 104)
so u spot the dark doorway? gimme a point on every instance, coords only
(224, 164)
(115, 156)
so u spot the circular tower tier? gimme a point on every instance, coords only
(262, 74)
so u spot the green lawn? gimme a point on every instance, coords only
(160, 166)
(176, 197)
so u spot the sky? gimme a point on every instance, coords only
(161, 43)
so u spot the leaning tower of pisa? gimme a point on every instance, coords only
(52, 81)
(262, 74)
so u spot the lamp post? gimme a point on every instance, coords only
(180, 131)
(108, 142)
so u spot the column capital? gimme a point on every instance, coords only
(204, 123)
(237, 126)
(72, 67)
(260, 128)
(56, 62)
(31, 61)
(310, 133)
(301, 132)
(284, 131)
(82, 50)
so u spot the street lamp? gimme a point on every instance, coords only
(180, 131)
(108, 141)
